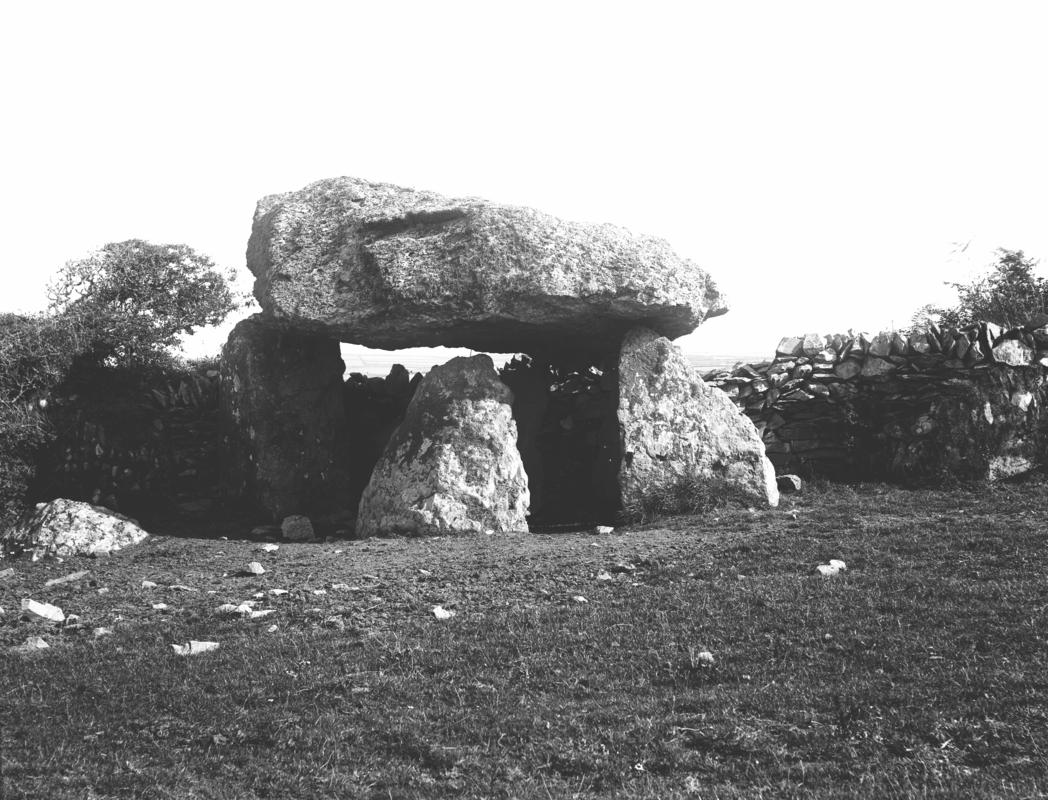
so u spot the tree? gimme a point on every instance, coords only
(136, 298)
(1010, 294)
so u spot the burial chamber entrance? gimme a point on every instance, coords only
(303, 438)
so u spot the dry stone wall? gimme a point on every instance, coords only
(913, 408)
(139, 442)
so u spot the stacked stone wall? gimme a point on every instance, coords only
(141, 442)
(964, 403)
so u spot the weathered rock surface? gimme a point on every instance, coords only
(390, 267)
(71, 528)
(297, 528)
(452, 466)
(677, 430)
(283, 416)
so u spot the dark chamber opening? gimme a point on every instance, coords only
(567, 435)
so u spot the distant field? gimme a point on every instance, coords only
(702, 657)
(420, 359)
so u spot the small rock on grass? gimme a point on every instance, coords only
(442, 613)
(193, 648)
(833, 568)
(33, 643)
(256, 569)
(578, 598)
(704, 658)
(102, 632)
(603, 530)
(70, 578)
(45, 610)
(297, 528)
(7, 573)
(148, 585)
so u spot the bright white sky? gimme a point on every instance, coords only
(819, 159)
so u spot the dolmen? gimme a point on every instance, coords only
(347, 260)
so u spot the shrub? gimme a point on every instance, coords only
(135, 298)
(36, 353)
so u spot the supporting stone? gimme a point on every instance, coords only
(680, 435)
(452, 466)
(283, 419)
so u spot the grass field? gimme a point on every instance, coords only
(921, 671)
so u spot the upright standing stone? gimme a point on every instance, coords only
(452, 466)
(284, 419)
(676, 430)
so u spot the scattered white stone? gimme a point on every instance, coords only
(104, 590)
(259, 595)
(227, 608)
(425, 573)
(320, 591)
(260, 614)
(271, 629)
(704, 657)
(442, 613)
(834, 567)
(148, 585)
(72, 619)
(278, 592)
(161, 606)
(45, 610)
(604, 575)
(578, 598)
(179, 587)
(34, 643)
(269, 547)
(73, 576)
(102, 632)
(603, 530)
(194, 648)
(256, 569)
(341, 587)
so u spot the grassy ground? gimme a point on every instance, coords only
(921, 671)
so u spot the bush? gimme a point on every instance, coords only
(135, 298)
(36, 353)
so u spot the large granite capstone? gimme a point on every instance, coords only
(389, 267)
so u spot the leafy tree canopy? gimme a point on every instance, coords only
(1010, 294)
(135, 298)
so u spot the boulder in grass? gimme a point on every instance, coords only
(72, 528)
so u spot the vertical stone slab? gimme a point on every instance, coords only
(283, 418)
(677, 432)
(452, 466)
